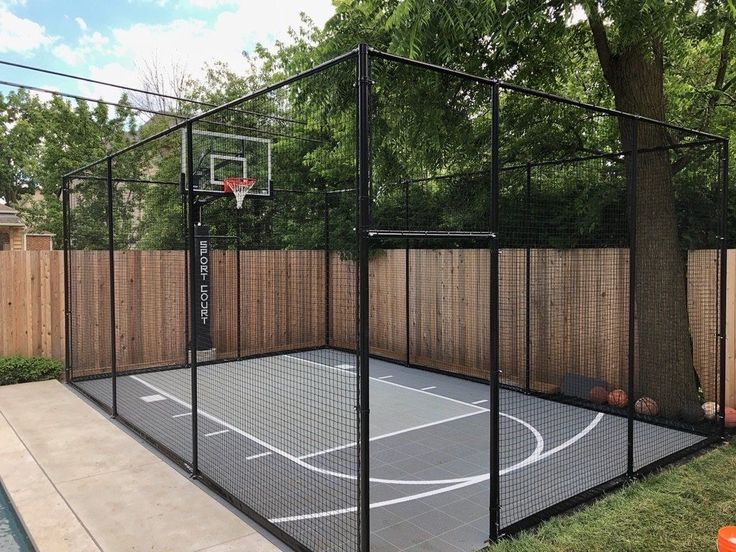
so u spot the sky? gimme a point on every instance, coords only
(114, 40)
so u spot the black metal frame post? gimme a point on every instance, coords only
(363, 86)
(67, 280)
(111, 251)
(407, 303)
(723, 253)
(191, 204)
(631, 200)
(527, 280)
(495, 434)
(327, 268)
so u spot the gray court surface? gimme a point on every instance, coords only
(280, 433)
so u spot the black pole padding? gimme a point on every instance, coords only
(723, 253)
(111, 251)
(192, 211)
(67, 281)
(631, 200)
(184, 234)
(527, 281)
(494, 529)
(363, 90)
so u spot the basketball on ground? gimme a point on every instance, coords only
(599, 395)
(647, 406)
(618, 398)
(710, 410)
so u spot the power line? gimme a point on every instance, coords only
(86, 99)
(151, 111)
(136, 90)
(103, 83)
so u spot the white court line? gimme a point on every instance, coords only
(258, 455)
(393, 433)
(216, 432)
(391, 383)
(182, 415)
(429, 388)
(285, 454)
(153, 398)
(381, 378)
(480, 402)
(472, 481)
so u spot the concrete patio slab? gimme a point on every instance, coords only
(81, 483)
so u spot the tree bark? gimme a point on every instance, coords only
(665, 358)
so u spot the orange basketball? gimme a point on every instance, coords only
(647, 406)
(730, 416)
(599, 395)
(618, 398)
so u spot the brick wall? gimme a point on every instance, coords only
(36, 242)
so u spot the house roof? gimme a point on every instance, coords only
(9, 216)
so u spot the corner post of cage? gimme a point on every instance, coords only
(407, 303)
(494, 376)
(111, 251)
(363, 86)
(67, 280)
(527, 278)
(191, 208)
(327, 266)
(633, 147)
(238, 302)
(723, 253)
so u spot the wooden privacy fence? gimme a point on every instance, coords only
(578, 305)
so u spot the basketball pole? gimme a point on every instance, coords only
(193, 303)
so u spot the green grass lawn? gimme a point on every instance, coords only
(679, 509)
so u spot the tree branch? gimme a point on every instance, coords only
(600, 39)
(718, 87)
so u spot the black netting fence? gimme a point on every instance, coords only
(447, 309)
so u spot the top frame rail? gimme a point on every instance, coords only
(352, 54)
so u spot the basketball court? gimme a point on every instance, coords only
(429, 445)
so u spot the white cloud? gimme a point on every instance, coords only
(188, 43)
(20, 35)
(160, 3)
(68, 55)
(81, 22)
(88, 45)
(209, 4)
(45, 96)
(94, 40)
(110, 72)
(193, 41)
(185, 44)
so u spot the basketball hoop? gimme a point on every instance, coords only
(239, 187)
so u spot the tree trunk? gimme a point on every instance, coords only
(665, 359)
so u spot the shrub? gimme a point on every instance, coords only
(18, 369)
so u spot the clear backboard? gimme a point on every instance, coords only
(217, 156)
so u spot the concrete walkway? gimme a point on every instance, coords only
(80, 483)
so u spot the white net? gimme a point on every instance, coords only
(240, 188)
